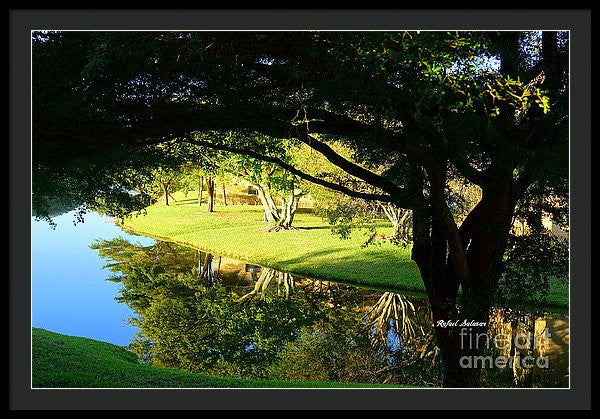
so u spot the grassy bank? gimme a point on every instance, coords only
(311, 250)
(61, 361)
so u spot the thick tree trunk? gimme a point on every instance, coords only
(278, 218)
(210, 191)
(460, 344)
(461, 365)
(483, 236)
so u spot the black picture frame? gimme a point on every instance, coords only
(21, 22)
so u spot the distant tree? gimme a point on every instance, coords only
(203, 168)
(272, 183)
(168, 181)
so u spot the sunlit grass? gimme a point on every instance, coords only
(309, 250)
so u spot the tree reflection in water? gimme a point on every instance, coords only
(411, 326)
(285, 285)
(219, 316)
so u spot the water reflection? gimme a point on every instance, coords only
(536, 347)
(220, 316)
(68, 291)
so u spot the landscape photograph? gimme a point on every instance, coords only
(315, 209)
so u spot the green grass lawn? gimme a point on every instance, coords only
(61, 361)
(311, 250)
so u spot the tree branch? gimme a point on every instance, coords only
(292, 169)
(350, 167)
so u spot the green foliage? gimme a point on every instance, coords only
(535, 265)
(95, 185)
(343, 213)
(258, 172)
(196, 326)
(331, 351)
(237, 88)
(210, 332)
(142, 270)
(172, 179)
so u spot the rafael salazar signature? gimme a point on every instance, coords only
(460, 323)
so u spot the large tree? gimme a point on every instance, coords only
(491, 108)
